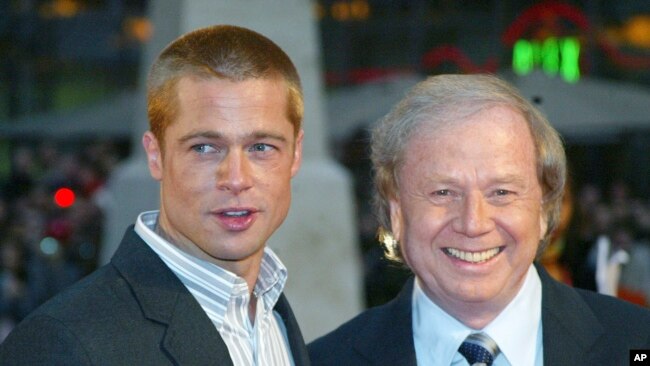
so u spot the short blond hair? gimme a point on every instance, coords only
(220, 51)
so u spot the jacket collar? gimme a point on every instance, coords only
(388, 334)
(191, 338)
(570, 328)
(296, 341)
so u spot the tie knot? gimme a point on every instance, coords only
(479, 349)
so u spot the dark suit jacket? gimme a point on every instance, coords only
(132, 311)
(579, 328)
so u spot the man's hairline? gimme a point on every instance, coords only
(193, 73)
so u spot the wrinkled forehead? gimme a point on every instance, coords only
(483, 127)
(480, 124)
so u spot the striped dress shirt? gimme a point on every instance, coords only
(225, 299)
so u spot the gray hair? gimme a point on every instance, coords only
(442, 99)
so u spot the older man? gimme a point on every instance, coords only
(194, 283)
(469, 178)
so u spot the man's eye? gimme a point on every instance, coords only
(502, 192)
(442, 192)
(261, 147)
(203, 148)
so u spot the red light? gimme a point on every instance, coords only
(64, 197)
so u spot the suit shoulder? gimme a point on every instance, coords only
(351, 328)
(101, 303)
(42, 340)
(360, 340)
(88, 296)
(57, 331)
(337, 346)
(615, 311)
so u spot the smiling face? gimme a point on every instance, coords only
(226, 169)
(468, 212)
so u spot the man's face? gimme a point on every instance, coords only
(468, 213)
(226, 171)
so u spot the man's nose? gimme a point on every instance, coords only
(474, 216)
(234, 173)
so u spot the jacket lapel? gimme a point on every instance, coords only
(387, 338)
(296, 341)
(190, 337)
(570, 328)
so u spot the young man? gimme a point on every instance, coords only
(194, 282)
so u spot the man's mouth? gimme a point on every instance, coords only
(473, 257)
(237, 219)
(240, 213)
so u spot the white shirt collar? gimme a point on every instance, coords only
(201, 276)
(517, 329)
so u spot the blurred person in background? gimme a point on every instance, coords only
(194, 283)
(552, 258)
(15, 301)
(604, 225)
(620, 260)
(56, 245)
(470, 178)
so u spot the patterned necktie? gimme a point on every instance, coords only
(479, 349)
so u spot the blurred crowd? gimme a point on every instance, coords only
(603, 243)
(45, 244)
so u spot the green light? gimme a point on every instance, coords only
(553, 55)
(550, 56)
(570, 68)
(523, 57)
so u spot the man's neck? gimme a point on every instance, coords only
(248, 269)
(252, 308)
(475, 315)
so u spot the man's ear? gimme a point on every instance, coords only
(543, 223)
(154, 155)
(396, 219)
(297, 153)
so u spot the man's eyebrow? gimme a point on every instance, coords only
(213, 135)
(201, 134)
(441, 178)
(510, 178)
(268, 135)
(503, 179)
